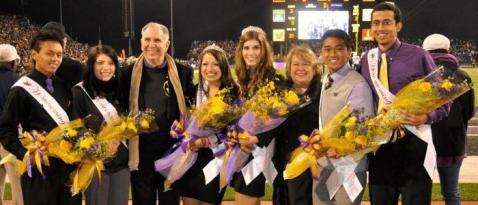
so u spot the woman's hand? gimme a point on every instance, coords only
(199, 143)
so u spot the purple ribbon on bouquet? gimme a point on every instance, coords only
(29, 160)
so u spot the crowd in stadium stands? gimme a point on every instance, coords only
(465, 50)
(229, 47)
(17, 30)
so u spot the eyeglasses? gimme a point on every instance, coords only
(386, 22)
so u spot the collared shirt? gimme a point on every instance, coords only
(361, 95)
(406, 63)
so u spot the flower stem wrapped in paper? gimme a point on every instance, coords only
(266, 110)
(209, 119)
(348, 134)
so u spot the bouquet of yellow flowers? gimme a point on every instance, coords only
(208, 119)
(266, 110)
(74, 143)
(95, 148)
(349, 134)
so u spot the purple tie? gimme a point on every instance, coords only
(49, 85)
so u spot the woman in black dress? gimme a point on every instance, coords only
(303, 77)
(214, 75)
(253, 67)
(99, 96)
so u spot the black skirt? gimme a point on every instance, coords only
(254, 189)
(193, 184)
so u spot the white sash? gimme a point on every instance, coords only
(212, 169)
(106, 109)
(261, 163)
(344, 175)
(423, 131)
(344, 167)
(49, 103)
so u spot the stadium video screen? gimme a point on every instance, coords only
(313, 24)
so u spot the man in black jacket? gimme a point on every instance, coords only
(156, 82)
(449, 134)
(39, 101)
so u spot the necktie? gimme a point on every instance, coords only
(383, 77)
(329, 82)
(49, 85)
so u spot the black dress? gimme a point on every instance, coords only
(257, 186)
(297, 191)
(193, 184)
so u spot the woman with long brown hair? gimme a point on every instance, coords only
(253, 67)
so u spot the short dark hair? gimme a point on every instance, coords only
(337, 33)
(55, 27)
(389, 6)
(43, 36)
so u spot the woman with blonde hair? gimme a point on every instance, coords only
(302, 77)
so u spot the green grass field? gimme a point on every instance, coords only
(473, 72)
(468, 192)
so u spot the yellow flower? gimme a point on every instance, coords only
(425, 86)
(291, 98)
(350, 136)
(351, 122)
(87, 142)
(144, 124)
(123, 126)
(361, 140)
(132, 127)
(72, 133)
(447, 85)
(65, 145)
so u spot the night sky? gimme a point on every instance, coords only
(224, 19)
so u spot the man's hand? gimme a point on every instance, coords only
(332, 153)
(413, 119)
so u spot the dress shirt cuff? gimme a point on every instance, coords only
(438, 114)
